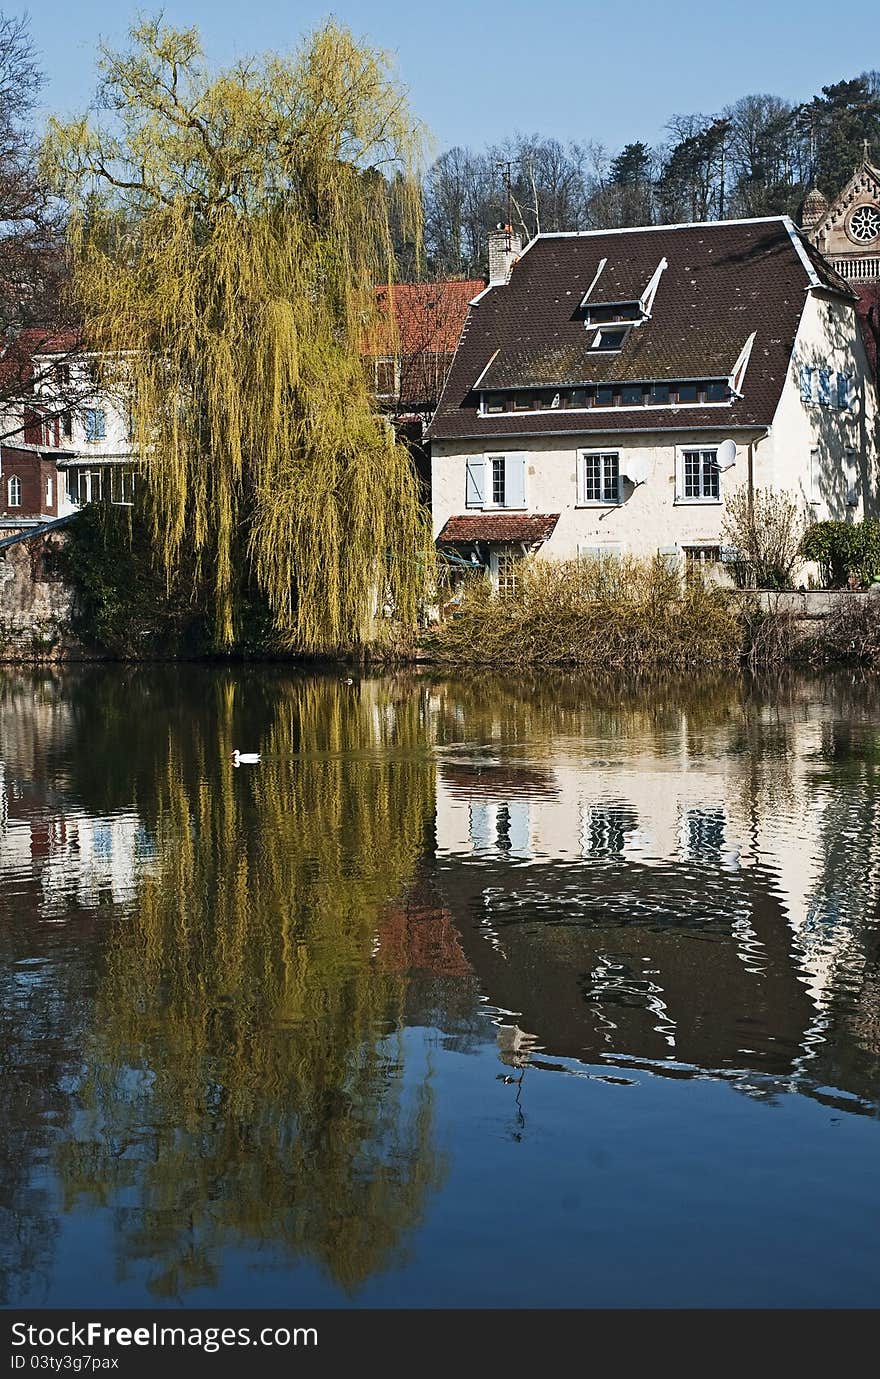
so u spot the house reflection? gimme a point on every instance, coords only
(666, 895)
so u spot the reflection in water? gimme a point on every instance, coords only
(235, 1004)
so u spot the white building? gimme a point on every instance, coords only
(611, 388)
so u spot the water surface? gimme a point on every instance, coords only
(482, 992)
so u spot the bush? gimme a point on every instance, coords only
(846, 552)
(605, 612)
(766, 528)
(851, 633)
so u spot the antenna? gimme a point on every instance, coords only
(507, 165)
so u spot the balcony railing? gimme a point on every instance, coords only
(862, 270)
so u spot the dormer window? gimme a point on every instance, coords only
(610, 338)
(611, 313)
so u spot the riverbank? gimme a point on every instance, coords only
(94, 597)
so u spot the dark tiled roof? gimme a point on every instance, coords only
(723, 282)
(531, 528)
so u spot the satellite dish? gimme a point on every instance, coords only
(726, 456)
(636, 470)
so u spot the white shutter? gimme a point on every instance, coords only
(474, 486)
(515, 481)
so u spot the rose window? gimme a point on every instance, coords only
(864, 224)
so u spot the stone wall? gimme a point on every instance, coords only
(36, 605)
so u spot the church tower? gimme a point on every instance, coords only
(848, 230)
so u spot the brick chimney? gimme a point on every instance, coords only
(505, 248)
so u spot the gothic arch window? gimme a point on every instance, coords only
(863, 226)
(14, 492)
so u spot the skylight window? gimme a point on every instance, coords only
(610, 338)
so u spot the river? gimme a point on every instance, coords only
(487, 991)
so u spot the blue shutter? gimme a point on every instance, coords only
(806, 383)
(844, 391)
(515, 481)
(825, 387)
(91, 419)
(474, 486)
(100, 425)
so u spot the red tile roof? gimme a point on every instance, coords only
(530, 528)
(427, 317)
(723, 282)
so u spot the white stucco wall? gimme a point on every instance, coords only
(651, 516)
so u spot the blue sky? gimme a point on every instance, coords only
(573, 69)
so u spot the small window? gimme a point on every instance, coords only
(604, 314)
(844, 391)
(604, 397)
(386, 377)
(600, 477)
(687, 392)
(815, 477)
(523, 402)
(494, 402)
(631, 395)
(95, 421)
(498, 481)
(13, 491)
(62, 374)
(699, 478)
(659, 395)
(701, 556)
(610, 338)
(67, 426)
(579, 397)
(717, 392)
(50, 491)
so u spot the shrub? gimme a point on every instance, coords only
(846, 552)
(851, 632)
(606, 612)
(767, 529)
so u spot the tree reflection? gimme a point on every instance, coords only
(244, 1074)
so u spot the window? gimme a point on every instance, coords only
(698, 558)
(600, 477)
(62, 374)
(717, 392)
(844, 391)
(84, 486)
(631, 395)
(815, 477)
(604, 397)
(824, 387)
(523, 402)
(852, 479)
(122, 487)
(498, 481)
(67, 426)
(610, 338)
(611, 312)
(498, 485)
(687, 392)
(49, 490)
(494, 402)
(95, 422)
(659, 396)
(699, 480)
(386, 377)
(13, 491)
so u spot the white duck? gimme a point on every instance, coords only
(245, 758)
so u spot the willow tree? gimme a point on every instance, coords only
(228, 232)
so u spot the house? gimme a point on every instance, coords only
(611, 388)
(409, 353)
(847, 231)
(66, 439)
